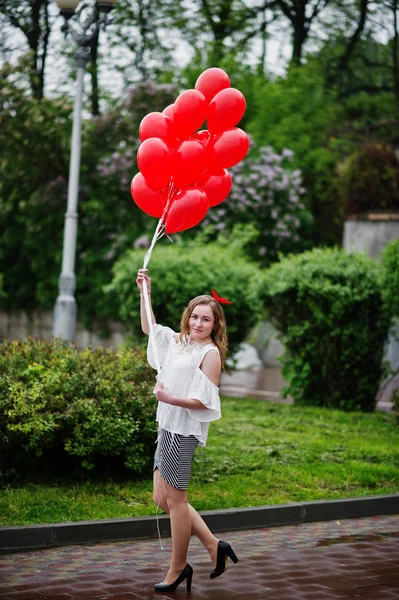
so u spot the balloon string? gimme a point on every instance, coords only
(159, 232)
(160, 228)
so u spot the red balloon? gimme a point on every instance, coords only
(154, 160)
(226, 110)
(151, 202)
(169, 111)
(228, 148)
(190, 113)
(157, 125)
(188, 209)
(217, 185)
(189, 161)
(202, 136)
(211, 81)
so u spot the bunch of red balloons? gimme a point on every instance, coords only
(184, 170)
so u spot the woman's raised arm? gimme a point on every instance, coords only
(141, 275)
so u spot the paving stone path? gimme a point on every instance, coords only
(349, 559)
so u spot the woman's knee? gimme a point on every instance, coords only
(160, 500)
(158, 495)
(161, 503)
(174, 496)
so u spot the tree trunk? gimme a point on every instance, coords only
(395, 49)
(263, 32)
(295, 11)
(33, 37)
(350, 47)
(219, 27)
(300, 33)
(36, 29)
(93, 70)
(43, 56)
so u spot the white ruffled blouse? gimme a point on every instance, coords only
(181, 374)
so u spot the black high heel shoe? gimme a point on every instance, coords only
(187, 573)
(225, 551)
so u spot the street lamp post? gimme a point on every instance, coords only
(83, 28)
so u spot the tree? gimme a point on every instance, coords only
(34, 164)
(140, 49)
(93, 70)
(218, 30)
(230, 21)
(299, 113)
(352, 54)
(392, 7)
(34, 167)
(33, 19)
(350, 43)
(366, 91)
(301, 14)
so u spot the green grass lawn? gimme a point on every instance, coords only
(260, 453)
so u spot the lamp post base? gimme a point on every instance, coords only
(65, 309)
(65, 312)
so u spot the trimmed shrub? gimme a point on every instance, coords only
(181, 272)
(395, 402)
(390, 277)
(390, 294)
(2, 294)
(63, 409)
(369, 180)
(328, 308)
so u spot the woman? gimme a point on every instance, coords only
(188, 400)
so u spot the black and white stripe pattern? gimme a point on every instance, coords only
(173, 457)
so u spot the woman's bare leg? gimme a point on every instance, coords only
(157, 491)
(198, 526)
(203, 533)
(180, 523)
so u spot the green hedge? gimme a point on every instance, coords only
(390, 294)
(390, 277)
(2, 293)
(63, 410)
(395, 403)
(329, 310)
(181, 272)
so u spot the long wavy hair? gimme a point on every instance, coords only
(218, 335)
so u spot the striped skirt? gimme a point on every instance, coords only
(173, 457)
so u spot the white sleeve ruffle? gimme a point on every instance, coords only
(205, 391)
(162, 338)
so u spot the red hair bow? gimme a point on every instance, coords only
(219, 299)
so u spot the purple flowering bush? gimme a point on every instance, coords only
(266, 191)
(119, 165)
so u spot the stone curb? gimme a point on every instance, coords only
(35, 537)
